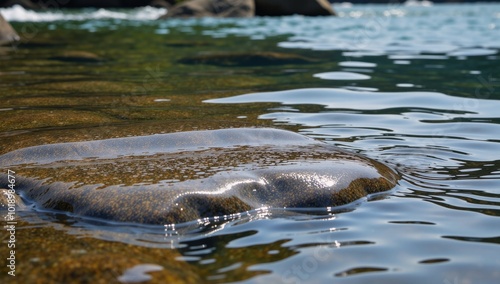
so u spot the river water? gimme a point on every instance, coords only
(415, 87)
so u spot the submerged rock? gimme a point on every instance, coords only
(7, 33)
(246, 59)
(78, 57)
(56, 254)
(184, 176)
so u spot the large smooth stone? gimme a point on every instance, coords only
(178, 177)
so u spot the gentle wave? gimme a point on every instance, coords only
(394, 126)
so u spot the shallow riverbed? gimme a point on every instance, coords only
(395, 83)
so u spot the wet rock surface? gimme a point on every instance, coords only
(8, 198)
(179, 177)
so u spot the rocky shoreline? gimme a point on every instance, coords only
(198, 8)
(184, 9)
(32, 4)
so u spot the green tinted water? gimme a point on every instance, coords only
(95, 79)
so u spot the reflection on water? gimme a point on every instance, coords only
(429, 109)
(341, 76)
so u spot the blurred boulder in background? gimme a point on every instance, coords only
(212, 8)
(249, 8)
(7, 33)
(292, 7)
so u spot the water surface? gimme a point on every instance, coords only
(425, 102)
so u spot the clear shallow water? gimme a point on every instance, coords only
(429, 109)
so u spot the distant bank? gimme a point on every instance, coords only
(37, 4)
